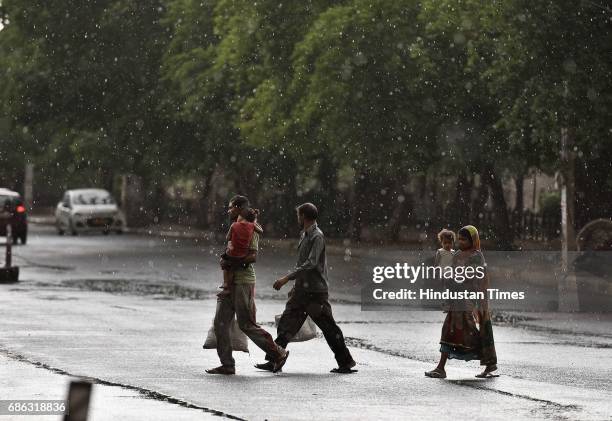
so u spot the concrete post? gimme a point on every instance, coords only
(568, 288)
(28, 186)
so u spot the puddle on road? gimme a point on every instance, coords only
(138, 287)
(158, 290)
(500, 317)
(27, 263)
(57, 298)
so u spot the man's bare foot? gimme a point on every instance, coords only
(436, 373)
(345, 368)
(267, 366)
(280, 362)
(223, 369)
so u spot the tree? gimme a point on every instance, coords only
(455, 52)
(553, 59)
(355, 99)
(81, 80)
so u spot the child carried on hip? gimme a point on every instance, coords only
(238, 239)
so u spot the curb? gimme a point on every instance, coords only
(290, 243)
(41, 220)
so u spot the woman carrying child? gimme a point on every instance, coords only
(461, 338)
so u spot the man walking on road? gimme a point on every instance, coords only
(309, 296)
(241, 302)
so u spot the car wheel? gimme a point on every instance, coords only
(73, 230)
(105, 232)
(119, 232)
(58, 227)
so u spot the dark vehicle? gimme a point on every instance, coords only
(13, 212)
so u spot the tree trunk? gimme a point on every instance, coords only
(282, 209)
(519, 205)
(437, 214)
(327, 192)
(397, 215)
(205, 185)
(213, 211)
(503, 233)
(358, 203)
(519, 182)
(482, 196)
(463, 191)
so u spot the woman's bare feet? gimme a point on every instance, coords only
(488, 372)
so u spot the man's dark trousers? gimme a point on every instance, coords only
(316, 305)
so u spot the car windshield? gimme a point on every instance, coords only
(92, 198)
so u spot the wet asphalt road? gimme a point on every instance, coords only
(105, 289)
(156, 260)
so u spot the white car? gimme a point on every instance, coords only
(84, 210)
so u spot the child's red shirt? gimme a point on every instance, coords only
(241, 234)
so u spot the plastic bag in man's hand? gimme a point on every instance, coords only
(307, 332)
(238, 338)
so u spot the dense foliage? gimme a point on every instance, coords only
(355, 104)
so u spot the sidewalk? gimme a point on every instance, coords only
(22, 380)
